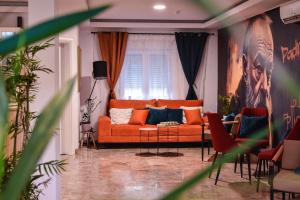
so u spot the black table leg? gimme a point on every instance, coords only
(202, 142)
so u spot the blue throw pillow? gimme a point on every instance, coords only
(229, 117)
(175, 115)
(251, 125)
(297, 170)
(156, 116)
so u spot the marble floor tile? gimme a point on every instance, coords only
(120, 174)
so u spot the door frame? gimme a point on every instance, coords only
(65, 129)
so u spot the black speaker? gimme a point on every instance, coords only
(99, 70)
(19, 22)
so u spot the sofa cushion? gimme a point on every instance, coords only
(178, 103)
(138, 117)
(290, 157)
(193, 117)
(129, 130)
(251, 125)
(136, 104)
(190, 108)
(175, 115)
(189, 130)
(156, 116)
(287, 180)
(120, 115)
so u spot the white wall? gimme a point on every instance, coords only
(10, 19)
(90, 52)
(47, 84)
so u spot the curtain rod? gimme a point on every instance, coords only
(152, 33)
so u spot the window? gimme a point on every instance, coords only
(5, 33)
(146, 72)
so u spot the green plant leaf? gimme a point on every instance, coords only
(46, 29)
(3, 125)
(41, 135)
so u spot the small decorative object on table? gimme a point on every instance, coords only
(168, 132)
(169, 123)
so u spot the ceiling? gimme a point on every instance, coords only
(139, 15)
(179, 14)
(180, 11)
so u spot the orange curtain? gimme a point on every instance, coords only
(113, 47)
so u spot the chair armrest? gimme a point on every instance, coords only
(278, 155)
(104, 126)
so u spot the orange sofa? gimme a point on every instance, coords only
(125, 133)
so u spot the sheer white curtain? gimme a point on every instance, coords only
(152, 69)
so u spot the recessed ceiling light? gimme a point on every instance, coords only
(159, 7)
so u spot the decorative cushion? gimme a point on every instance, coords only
(120, 115)
(190, 108)
(251, 125)
(156, 116)
(287, 180)
(175, 115)
(138, 117)
(193, 117)
(229, 117)
(155, 107)
(290, 157)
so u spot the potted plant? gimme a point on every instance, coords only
(225, 101)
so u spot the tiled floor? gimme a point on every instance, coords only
(120, 174)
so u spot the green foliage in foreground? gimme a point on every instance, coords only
(22, 170)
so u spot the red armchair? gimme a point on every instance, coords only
(221, 140)
(268, 155)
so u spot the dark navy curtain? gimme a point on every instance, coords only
(190, 48)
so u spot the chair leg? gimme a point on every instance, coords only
(235, 164)
(258, 174)
(283, 195)
(256, 169)
(249, 167)
(241, 164)
(218, 173)
(271, 194)
(264, 164)
(215, 157)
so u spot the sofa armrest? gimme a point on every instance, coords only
(104, 126)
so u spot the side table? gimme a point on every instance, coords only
(87, 132)
(170, 133)
(147, 133)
